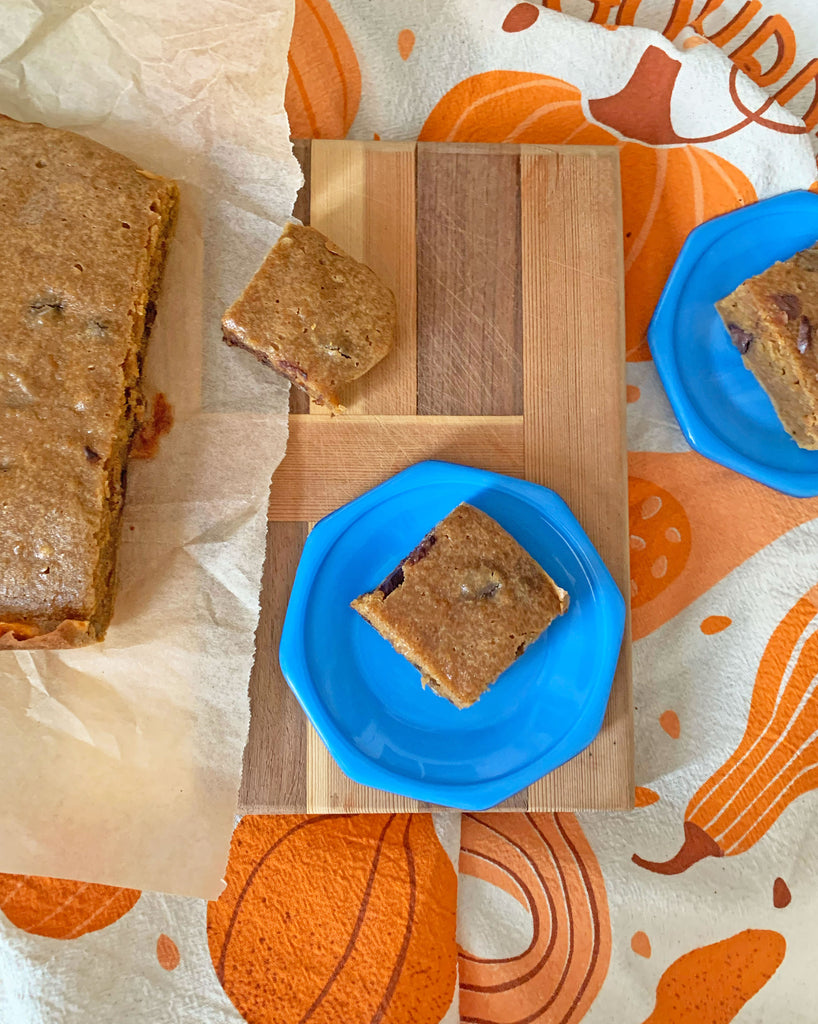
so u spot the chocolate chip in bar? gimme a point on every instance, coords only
(741, 339)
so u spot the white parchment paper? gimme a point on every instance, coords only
(120, 763)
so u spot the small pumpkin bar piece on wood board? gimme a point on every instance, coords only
(773, 321)
(314, 314)
(464, 604)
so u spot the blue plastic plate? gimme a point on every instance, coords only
(722, 410)
(366, 701)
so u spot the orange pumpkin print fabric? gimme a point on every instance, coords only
(328, 919)
(545, 863)
(777, 759)
(61, 909)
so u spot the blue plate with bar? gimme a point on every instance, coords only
(366, 701)
(723, 411)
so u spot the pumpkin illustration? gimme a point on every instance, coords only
(61, 909)
(715, 535)
(659, 539)
(335, 918)
(709, 985)
(777, 759)
(324, 82)
(543, 861)
(665, 191)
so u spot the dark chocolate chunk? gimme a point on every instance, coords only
(91, 455)
(392, 581)
(741, 339)
(490, 589)
(520, 650)
(421, 551)
(804, 339)
(790, 305)
(150, 316)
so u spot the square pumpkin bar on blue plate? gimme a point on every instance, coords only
(464, 604)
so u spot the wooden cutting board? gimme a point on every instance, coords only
(506, 262)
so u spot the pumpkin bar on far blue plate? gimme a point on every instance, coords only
(773, 321)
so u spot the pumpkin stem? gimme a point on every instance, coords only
(642, 109)
(696, 846)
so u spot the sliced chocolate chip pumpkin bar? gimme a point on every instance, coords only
(314, 314)
(773, 321)
(464, 604)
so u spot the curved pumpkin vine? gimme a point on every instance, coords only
(544, 861)
(777, 759)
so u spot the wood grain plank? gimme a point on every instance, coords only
(389, 249)
(332, 461)
(573, 353)
(468, 244)
(329, 791)
(273, 778)
(380, 230)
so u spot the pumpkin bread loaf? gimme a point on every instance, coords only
(773, 321)
(86, 234)
(464, 604)
(314, 314)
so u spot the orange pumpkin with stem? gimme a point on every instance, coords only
(777, 759)
(666, 191)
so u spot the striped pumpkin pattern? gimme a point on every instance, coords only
(545, 862)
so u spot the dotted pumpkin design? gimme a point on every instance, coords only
(61, 909)
(336, 918)
(324, 82)
(666, 191)
(660, 539)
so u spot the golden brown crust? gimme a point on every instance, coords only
(87, 232)
(314, 314)
(773, 320)
(464, 604)
(17, 636)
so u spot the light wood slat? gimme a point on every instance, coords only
(329, 791)
(273, 778)
(332, 461)
(363, 198)
(573, 352)
(385, 241)
(391, 386)
(338, 202)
